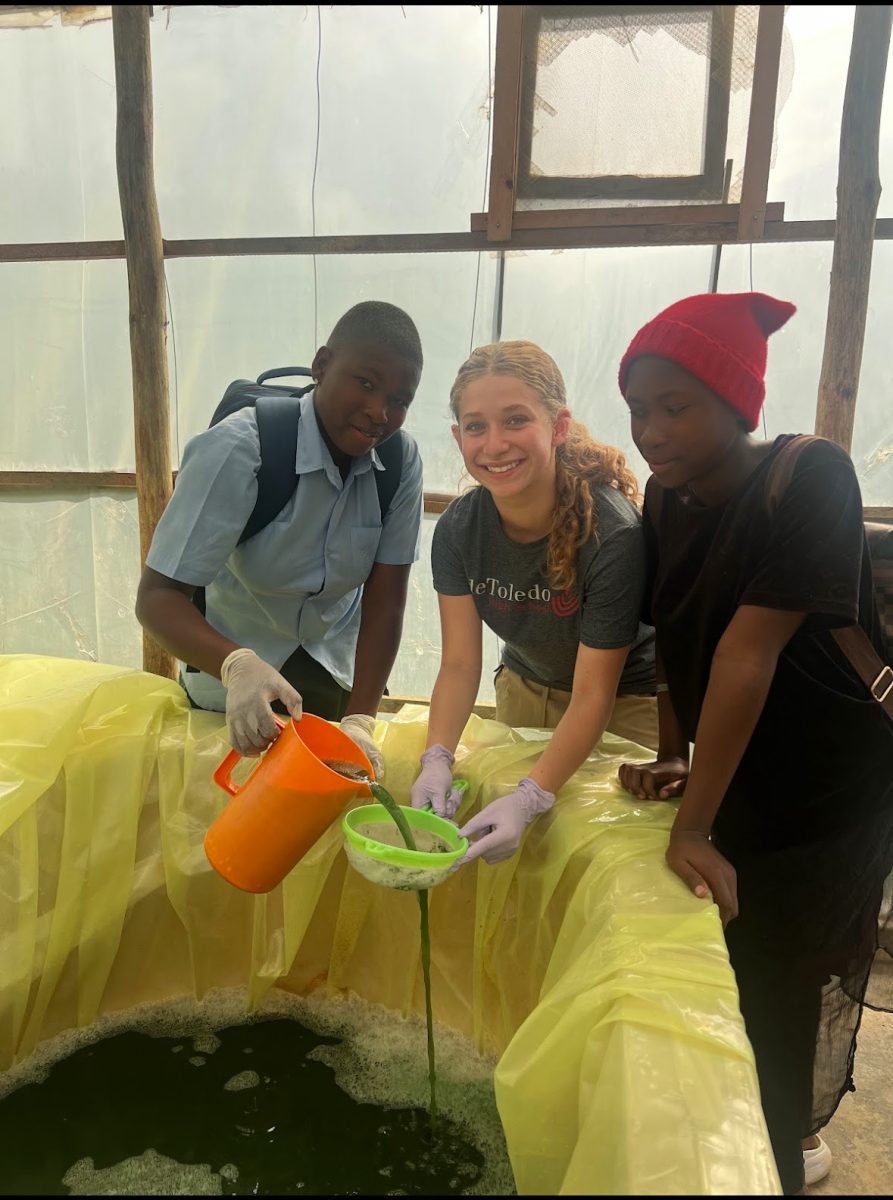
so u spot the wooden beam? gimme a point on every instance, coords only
(94, 481)
(14, 252)
(145, 279)
(675, 235)
(372, 243)
(716, 256)
(65, 481)
(506, 120)
(438, 502)
(392, 704)
(582, 238)
(761, 126)
(628, 215)
(858, 192)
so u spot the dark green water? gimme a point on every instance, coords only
(295, 1132)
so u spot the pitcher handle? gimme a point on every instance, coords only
(225, 769)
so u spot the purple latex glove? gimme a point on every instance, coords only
(503, 822)
(434, 786)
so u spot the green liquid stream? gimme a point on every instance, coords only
(386, 800)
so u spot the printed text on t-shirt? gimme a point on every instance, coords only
(506, 597)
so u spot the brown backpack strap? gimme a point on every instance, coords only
(865, 661)
(880, 541)
(852, 639)
(781, 472)
(880, 549)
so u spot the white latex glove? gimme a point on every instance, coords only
(434, 786)
(359, 728)
(251, 687)
(503, 822)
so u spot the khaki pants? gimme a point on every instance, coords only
(524, 704)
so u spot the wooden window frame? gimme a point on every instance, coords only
(704, 187)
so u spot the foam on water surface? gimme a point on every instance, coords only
(148, 1174)
(245, 1079)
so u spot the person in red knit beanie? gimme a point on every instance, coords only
(756, 552)
(720, 339)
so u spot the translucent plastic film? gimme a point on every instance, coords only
(602, 983)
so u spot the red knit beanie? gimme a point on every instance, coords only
(720, 339)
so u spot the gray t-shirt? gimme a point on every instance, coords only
(542, 631)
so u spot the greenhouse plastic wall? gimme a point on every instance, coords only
(398, 142)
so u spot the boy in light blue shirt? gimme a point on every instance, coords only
(307, 613)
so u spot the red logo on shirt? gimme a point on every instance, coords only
(565, 604)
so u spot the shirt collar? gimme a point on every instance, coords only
(313, 453)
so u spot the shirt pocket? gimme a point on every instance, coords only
(362, 546)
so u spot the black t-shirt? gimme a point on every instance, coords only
(820, 742)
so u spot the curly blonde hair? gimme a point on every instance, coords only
(581, 463)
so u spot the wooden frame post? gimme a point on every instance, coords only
(761, 125)
(145, 278)
(858, 192)
(506, 117)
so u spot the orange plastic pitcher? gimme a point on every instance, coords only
(288, 801)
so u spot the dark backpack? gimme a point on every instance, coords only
(278, 418)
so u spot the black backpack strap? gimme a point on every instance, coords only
(388, 480)
(277, 426)
(278, 417)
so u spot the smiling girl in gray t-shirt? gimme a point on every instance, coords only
(548, 553)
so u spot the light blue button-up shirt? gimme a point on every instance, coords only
(298, 582)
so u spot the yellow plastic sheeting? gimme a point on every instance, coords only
(600, 980)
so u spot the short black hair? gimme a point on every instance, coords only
(382, 323)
